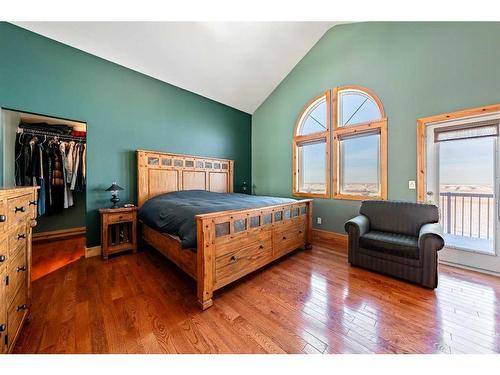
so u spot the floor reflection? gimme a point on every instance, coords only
(467, 315)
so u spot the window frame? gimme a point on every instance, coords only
(324, 136)
(378, 126)
(332, 136)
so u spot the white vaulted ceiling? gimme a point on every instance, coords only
(235, 63)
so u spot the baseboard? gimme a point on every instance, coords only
(59, 234)
(332, 241)
(479, 270)
(93, 251)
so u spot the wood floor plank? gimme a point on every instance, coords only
(308, 302)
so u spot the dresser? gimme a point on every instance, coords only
(17, 217)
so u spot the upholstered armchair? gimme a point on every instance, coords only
(400, 239)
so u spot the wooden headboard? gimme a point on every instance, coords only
(162, 172)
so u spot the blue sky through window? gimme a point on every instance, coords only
(467, 162)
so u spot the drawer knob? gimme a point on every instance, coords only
(261, 246)
(3, 327)
(2, 258)
(32, 203)
(23, 268)
(300, 232)
(19, 236)
(22, 307)
(3, 218)
(284, 237)
(233, 259)
(17, 209)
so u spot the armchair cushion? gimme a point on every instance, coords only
(391, 243)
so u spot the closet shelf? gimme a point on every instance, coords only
(51, 134)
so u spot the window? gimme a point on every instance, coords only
(360, 165)
(311, 149)
(359, 146)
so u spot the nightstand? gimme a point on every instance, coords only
(118, 230)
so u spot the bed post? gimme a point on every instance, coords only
(309, 219)
(205, 231)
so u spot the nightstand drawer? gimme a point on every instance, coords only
(121, 217)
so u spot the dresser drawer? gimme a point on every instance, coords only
(121, 217)
(233, 265)
(288, 238)
(17, 238)
(4, 252)
(16, 313)
(3, 216)
(17, 273)
(18, 209)
(3, 311)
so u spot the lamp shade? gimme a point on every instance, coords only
(114, 187)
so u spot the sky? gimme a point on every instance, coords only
(467, 161)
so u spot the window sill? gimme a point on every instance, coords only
(311, 195)
(357, 197)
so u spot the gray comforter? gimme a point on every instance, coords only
(174, 213)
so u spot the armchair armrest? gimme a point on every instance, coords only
(359, 223)
(432, 232)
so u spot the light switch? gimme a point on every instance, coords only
(411, 185)
(318, 220)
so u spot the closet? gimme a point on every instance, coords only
(50, 153)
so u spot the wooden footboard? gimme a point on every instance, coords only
(231, 244)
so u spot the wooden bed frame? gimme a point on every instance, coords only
(230, 244)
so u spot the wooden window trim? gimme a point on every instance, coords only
(320, 136)
(331, 136)
(421, 126)
(338, 132)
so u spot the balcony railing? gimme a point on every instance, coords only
(468, 214)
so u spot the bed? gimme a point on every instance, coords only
(245, 235)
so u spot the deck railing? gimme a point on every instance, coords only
(467, 214)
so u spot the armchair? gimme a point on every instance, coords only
(401, 239)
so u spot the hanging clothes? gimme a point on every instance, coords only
(56, 166)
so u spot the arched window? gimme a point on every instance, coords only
(311, 145)
(359, 146)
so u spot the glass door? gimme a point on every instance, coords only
(463, 181)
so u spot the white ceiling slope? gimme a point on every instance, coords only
(235, 63)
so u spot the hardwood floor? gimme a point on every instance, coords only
(49, 256)
(309, 302)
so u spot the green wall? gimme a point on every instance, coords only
(124, 110)
(417, 70)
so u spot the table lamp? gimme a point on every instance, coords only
(114, 189)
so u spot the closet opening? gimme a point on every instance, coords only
(48, 152)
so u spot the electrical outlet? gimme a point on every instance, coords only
(411, 185)
(318, 220)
